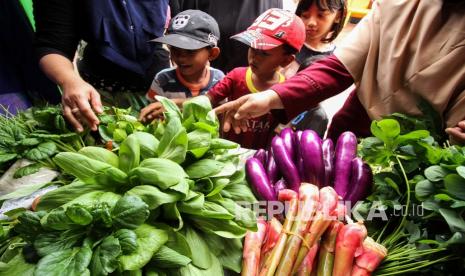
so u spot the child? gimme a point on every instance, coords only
(315, 118)
(273, 39)
(324, 20)
(192, 38)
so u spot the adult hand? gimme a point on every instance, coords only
(457, 133)
(250, 106)
(80, 100)
(152, 111)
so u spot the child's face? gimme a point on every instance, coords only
(269, 61)
(318, 23)
(190, 62)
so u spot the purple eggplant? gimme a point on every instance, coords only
(285, 163)
(272, 169)
(312, 156)
(279, 185)
(261, 156)
(258, 180)
(361, 180)
(346, 150)
(327, 148)
(298, 158)
(289, 139)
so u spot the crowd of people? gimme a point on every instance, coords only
(257, 63)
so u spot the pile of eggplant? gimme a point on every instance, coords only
(303, 157)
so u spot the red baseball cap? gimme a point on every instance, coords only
(273, 28)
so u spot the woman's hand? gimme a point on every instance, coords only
(250, 106)
(457, 133)
(80, 102)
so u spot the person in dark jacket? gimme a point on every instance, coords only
(118, 61)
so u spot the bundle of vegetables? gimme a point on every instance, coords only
(162, 204)
(312, 240)
(419, 185)
(37, 134)
(303, 157)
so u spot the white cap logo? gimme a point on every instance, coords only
(180, 21)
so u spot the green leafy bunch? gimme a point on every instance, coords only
(412, 170)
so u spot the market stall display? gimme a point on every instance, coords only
(166, 198)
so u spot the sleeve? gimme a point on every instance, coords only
(320, 81)
(358, 44)
(222, 89)
(56, 28)
(156, 88)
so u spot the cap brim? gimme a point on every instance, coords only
(181, 41)
(257, 40)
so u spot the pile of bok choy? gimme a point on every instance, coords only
(162, 202)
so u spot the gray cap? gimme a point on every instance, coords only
(191, 30)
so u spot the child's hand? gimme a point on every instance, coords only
(152, 111)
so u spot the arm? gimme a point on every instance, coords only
(56, 42)
(321, 80)
(223, 89)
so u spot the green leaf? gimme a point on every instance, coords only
(238, 192)
(129, 212)
(178, 243)
(199, 142)
(171, 108)
(455, 186)
(42, 151)
(171, 213)
(79, 214)
(88, 170)
(17, 266)
(5, 157)
(412, 136)
(192, 270)
(224, 228)
(443, 197)
(28, 225)
(197, 107)
(160, 172)
(195, 202)
(101, 154)
(148, 144)
(149, 241)
(70, 262)
(127, 240)
(244, 217)
(458, 204)
(218, 143)
(153, 197)
(204, 168)
(231, 256)
(119, 135)
(173, 144)
(424, 189)
(105, 257)
(129, 153)
(27, 170)
(168, 258)
(386, 130)
(435, 173)
(461, 171)
(201, 254)
(209, 210)
(453, 219)
(64, 194)
(30, 142)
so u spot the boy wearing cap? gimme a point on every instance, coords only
(273, 39)
(192, 38)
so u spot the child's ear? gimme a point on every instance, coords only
(214, 53)
(287, 60)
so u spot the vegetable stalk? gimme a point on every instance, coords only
(308, 199)
(327, 248)
(324, 215)
(252, 245)
(274, 258)
(348, 242)
(373, 254)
